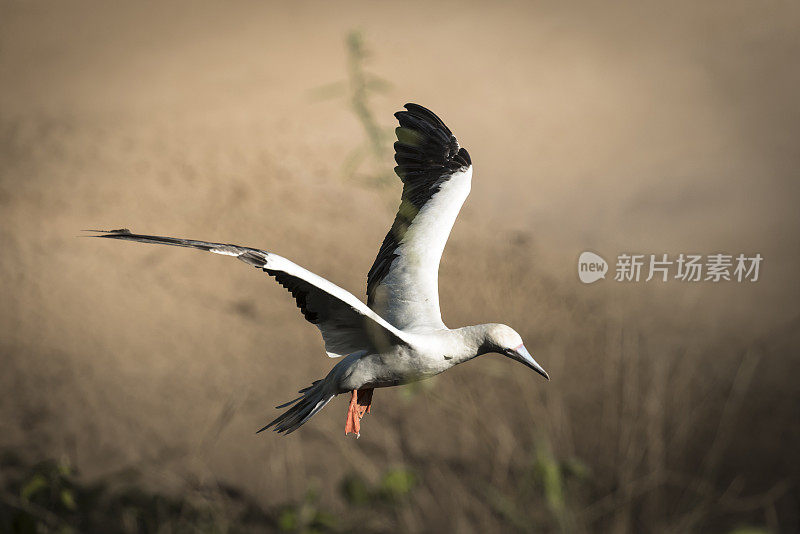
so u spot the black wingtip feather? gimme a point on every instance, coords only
(118, 231)
(425, 147)
(430, 115)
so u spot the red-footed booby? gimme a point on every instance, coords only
(398, 336)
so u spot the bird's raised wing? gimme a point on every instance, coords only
(403, 283)
(347, 324)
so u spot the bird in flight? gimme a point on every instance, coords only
(398, 336)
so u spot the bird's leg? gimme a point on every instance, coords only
(352, 423)
(360, 403)
(364, 401)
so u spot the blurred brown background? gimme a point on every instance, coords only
(648, 127)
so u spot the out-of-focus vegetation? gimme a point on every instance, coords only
(50, 496)
(370, 162)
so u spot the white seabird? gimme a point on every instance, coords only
(398, 336)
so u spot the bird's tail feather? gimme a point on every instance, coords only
(313, 399)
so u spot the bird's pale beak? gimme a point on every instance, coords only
(522, 355)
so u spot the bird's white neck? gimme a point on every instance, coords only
(473, 342)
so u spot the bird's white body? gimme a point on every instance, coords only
(425, 355)
(398, 336)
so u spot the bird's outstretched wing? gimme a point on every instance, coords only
(403, 283)
(347, 324)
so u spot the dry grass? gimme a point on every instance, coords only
(672, 408)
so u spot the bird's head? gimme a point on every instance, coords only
(506, 341)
